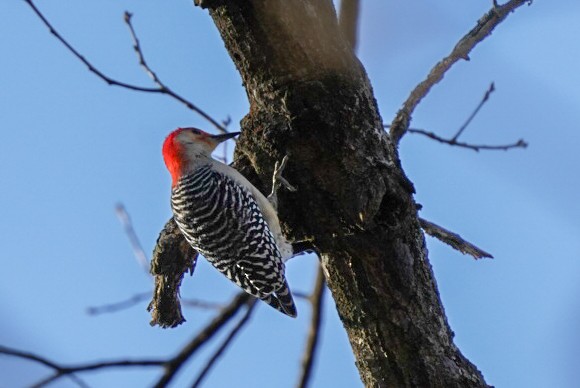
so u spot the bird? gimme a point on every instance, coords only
(226, 218)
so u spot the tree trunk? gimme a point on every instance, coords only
(310, 99)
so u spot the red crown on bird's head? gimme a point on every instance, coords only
(173, 154)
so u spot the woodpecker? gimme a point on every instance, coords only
(226, 218)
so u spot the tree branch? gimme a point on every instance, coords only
(316, 300)
(173, 365)
(130, 302)
(69, 371)
(138, 251)
(90, 66)
(452, 239)
(65, 371)
(227, 341)
(484, 27)
(476, 147)
(485, 98)
(43, 361)
(200, 304)
(161, 89)
(117, 306)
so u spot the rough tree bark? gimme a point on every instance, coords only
(311, 99)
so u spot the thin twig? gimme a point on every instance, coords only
(453, 240)
(476, 147)
(162, 87)
(41, 360)
(227, 341)
(316, 299)
(300, 295)
(117, 306)
(202, 304)
(132, 301)
(348, 20)
(137, 47)
(111, 81)
(61, 370)
(92, 69)
(29, 356)
(521, 143)
(138, 251)
(484, 27)
(66, 371)
(488, 92)
(173, 365)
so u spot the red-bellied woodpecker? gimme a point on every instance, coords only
(226, 219)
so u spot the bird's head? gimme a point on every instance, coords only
(184, 146)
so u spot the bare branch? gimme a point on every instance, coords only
(316, 299)
(476, 147)
(41, 360)
(138, 251)
(137, 47)
(490, 90)
(453, 240)
(91, 68)
(484, 27)
(173, 365)
(202, 304)
(28, 356)
(118, 306)
(227, 341)
(69, 371)
(162, 89)
(132, 301)
(65, 371)
(300, 295)
(348, 21)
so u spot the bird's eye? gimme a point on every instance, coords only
(195, 131)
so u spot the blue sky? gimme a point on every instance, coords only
(72, 147)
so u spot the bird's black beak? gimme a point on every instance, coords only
(224, 137)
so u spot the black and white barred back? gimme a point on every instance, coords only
(222, 221)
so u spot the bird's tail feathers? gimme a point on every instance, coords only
(282, 301)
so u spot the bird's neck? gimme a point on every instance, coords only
(189, 164)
